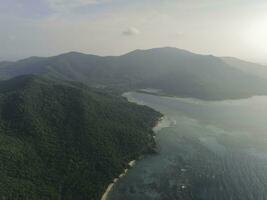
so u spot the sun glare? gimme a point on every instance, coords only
(256, 35)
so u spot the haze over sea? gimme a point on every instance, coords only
(213, 150)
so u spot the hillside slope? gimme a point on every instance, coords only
(248, 67)
(174, 71)
(66, 141)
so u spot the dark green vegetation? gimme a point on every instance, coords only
(174, 71)
(62, 140)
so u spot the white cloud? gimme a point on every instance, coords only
(131, 31)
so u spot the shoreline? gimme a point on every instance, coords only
(162, 122)
(111, 185)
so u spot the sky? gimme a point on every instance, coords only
(235, 28)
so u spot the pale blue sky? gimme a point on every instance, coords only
(112, 27)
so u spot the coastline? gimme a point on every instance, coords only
(162, 122)
(111, 185)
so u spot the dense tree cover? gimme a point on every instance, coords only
(62, 140)
(174, 71)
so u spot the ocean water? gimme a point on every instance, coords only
(212, 150)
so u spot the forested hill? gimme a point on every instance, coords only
(62, 140)
(174, 71)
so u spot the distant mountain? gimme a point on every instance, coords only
(174, 71)
(248, 67)
(62, 140)
(5, 63)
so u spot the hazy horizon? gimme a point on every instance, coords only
(88, 53)
(235, 28)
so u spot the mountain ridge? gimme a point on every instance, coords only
(174, 71)
(130, 52)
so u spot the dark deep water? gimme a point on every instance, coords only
(211, 151)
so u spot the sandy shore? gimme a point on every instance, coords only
(163, 122)
(110, 186)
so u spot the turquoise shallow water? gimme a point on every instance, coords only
(211, 151)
